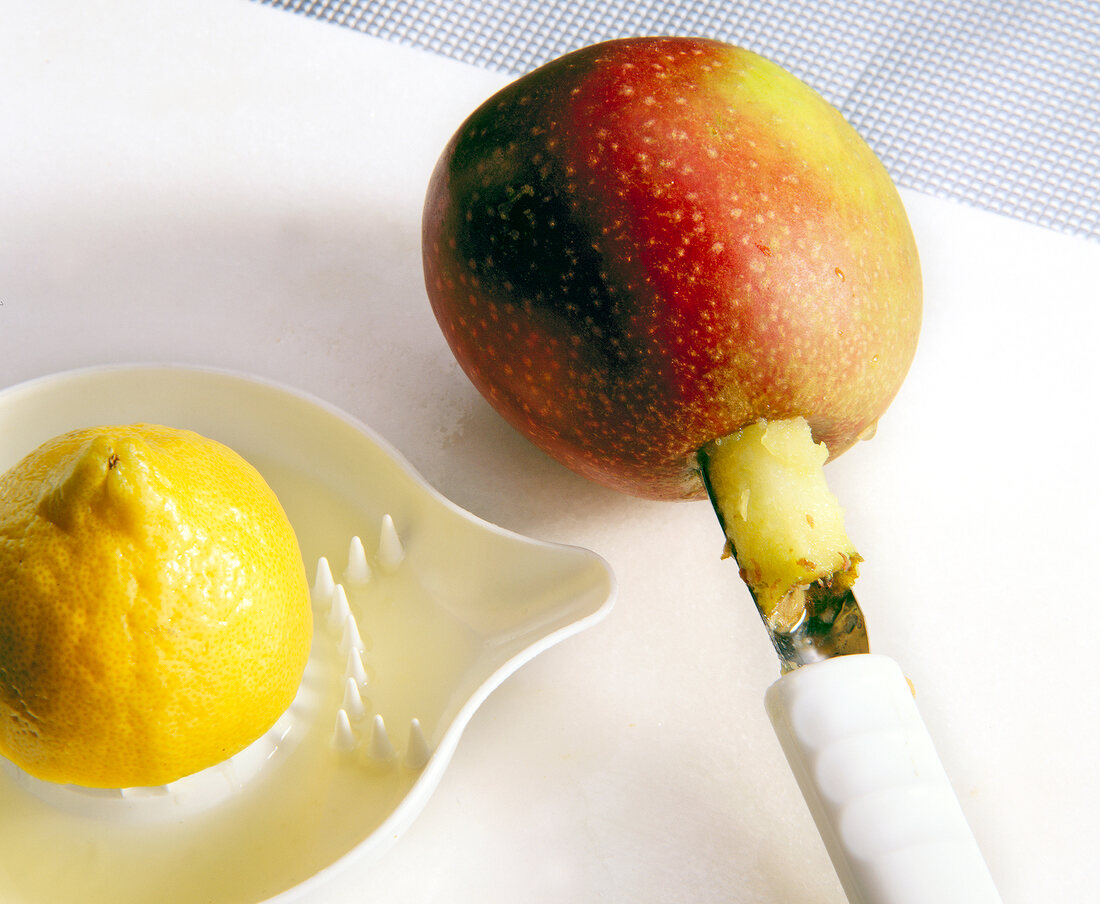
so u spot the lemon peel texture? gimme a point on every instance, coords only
(154, 607)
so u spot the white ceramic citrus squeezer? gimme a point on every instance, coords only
(420, 611)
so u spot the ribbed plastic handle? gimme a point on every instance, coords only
(883, 804)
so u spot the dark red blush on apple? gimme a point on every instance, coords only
(638, 249)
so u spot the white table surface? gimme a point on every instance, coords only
(224, 184)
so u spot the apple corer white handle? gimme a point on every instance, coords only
(891, 822)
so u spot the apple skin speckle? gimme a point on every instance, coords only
(676, 238)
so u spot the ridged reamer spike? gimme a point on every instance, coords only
(358, 571)
(323, 584)
(417, 753)
(390, 551)
(350, 638)
(354, 669)
(353, 701)
(343, 738)
(339, 611)
(379, 750)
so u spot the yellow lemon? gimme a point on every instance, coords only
(154, 607)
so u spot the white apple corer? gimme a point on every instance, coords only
(850, 729)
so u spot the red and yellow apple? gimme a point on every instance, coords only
(649, 244)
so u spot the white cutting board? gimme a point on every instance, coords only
(227, 184)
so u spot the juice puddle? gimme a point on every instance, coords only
(309, 804)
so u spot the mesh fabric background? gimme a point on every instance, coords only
(993, 103)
